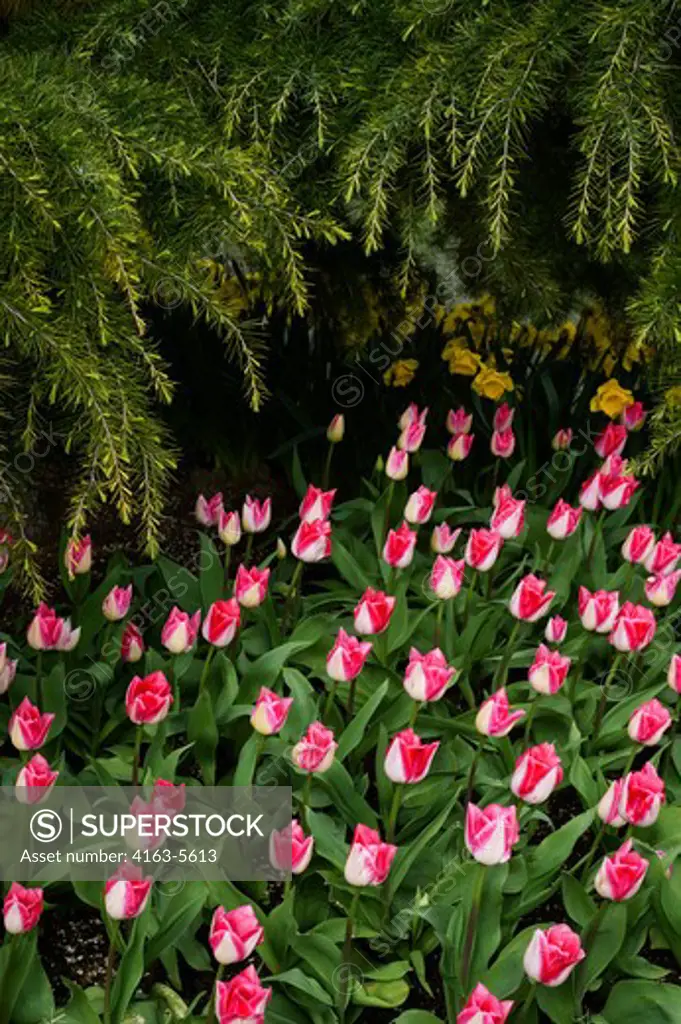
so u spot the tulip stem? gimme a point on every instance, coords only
(228, 556)
(39, 680)
(527, 1004)
(351, 696)
(345, 963)
(291, 596)
(438, 623)
(136, 755)
(327, 467)
(386, 518)
(469, 942)
(414, 713)
(469, 595)
(490, 581)
(600, 711)
(305, 799)
(394, 811)
(549, 553)
(206, 669)
(597, 530)
(574, 683)
(530, 719)
(249, 549)
(110, 961)
(330, 698)
(471, 776)
(502, 672)
(214, 995)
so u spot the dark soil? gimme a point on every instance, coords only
(73, 944)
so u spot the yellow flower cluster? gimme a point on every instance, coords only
(401, 372)
(612, 399)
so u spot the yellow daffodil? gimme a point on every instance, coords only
(609, 364)
(491, 383)
(464, 362)
(612, 399)
(401, 372)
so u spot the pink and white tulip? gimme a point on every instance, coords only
(116, 604)
(78, 556)
(548, 671)
(537, 773)
(649, 722)
(242, 1000)
(459, 421)
(315, 752)
(419, 507)
(531, 600)
(503, 417)
(180, 631)
(221, 622)
(290, 849)
(335, 432)
(234, 934)
(664, 556)
(399, 546)
(208, 510)
(49, 632)
(661, 590)
(552, 955)
(638, 545)
(484, 1008)
(312, 541)
(609, 805)
(256, 515)
(126, 893)
(598, 611)
(397, 464)
(21, 909)
(270, 712)
(621, 875)
(563, 520)
(316, 504)
(427, 676)
(148, 699)
(491, 833)
(459, 447)
(556, 630)
(634, 628)
(35, 780)
(674, 674)
(446, 577)
(503, 443)
(643, 793)
(443, 539)
(634, 416)
(562, 439)
(346, 658)
(369, 859)
(28, 728)
(132, 643)
(508, 518)
(408, 758)
(495, 717)
(482, 549)
(373, 611)
(250, 586)
(229, 528)
(8, 669)
(611, 441)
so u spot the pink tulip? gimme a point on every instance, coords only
(427, 676)
(590, 493)
(412, 414)
(78, 556)
(482, 549)
(484, 1008)
(508, 519)
(446, 577)
(335, 432)
(611, 441)
(548, 671)
(398, 549)
(312, 541)
(563, 520)
(419, 507)
(495, 717)
(116, 604)
(411, 438)
(242, 1000)
(616, 485)
(270, 712)
(634, 416)
(664, 556)
(290, 849)
(208, 510)
(48, 632)
(346, 658)
(503, 443)
(556, 630)
(22, 909)
(148, 699)
(397, 464)
(369, 859)
(552, 955)
(638, 545)
(674, 674)
(649, 723)
(256, 515)
(661, 590)
(234, 934)
(503, 417)
(8, 669)
(443, 539)
(316, 504)
(180, 631)
(621, 875)
(28, 728)
(35, 780)
(229, 528)
(459, 447)
(372, 614)
(530, 599)
(643, 793)
(491, 833)
(126, 893)
(537, 773)
(634, 628)
(250, 586)
(132, 643)
(598, 611)
(562, 439)
(609, 805)
(408, 758)
(316, 750)
(221, 623)
(459, 421)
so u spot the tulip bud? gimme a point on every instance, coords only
(250, 586)
(34, 781)
(208, 510)
(256, 515)
(408, 758)
(281, 549)
(28, 728)
(548, 671)
(180, 631)
(634, 628)
(634, 416)
(609, 805)
(664, 556)
(491, 833)
(229, 528)
(8, 669)
(290, 849)
(419, 507)
(316, 504)
(234, 934)
(649, 722)
(537, 773)
(459, 421)
(336, 429)
(598, 611)
(373, 612)
(495, 717)
(661, 590)
(552, 955)
(132, 643)
(148, 699)
(346, 658)
(556, 630)
(638, 545)
(562, 439)
(563, 520)
(369, 859)
(270, 712)
(530, 599)
(397, 466)
(312, 541)
(221, 623)
(22, 909)
(446, 577)
(508, 518)
(503, 443)
(621, 875)
(443, 539)
(315, 752)
(459, 447)
(427, 676)
(78, 556)
(116, 604)
(482, 549)
(243, 998)
(399, 546)
(126, 893)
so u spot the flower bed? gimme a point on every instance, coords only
(474, 704)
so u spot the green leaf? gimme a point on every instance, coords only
(556, 848)
(182, 584)
(54, 698)
(178, 913)
(603, 941)
(248, 758)
(202, 731)
(17, 957)
(303, 983)
(130, 969)
(36, 1001)
(406, 856)
(417, 1017)
(211, 572)
(348, 566)
(557, 1003)
(386, 994)
(297, 474)
(354, 733)
(78, 1009)
(578, 903)
(348, 801)
(634, 1002)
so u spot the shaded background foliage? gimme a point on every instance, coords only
(269, 174)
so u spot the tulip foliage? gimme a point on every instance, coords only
(475, 707)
